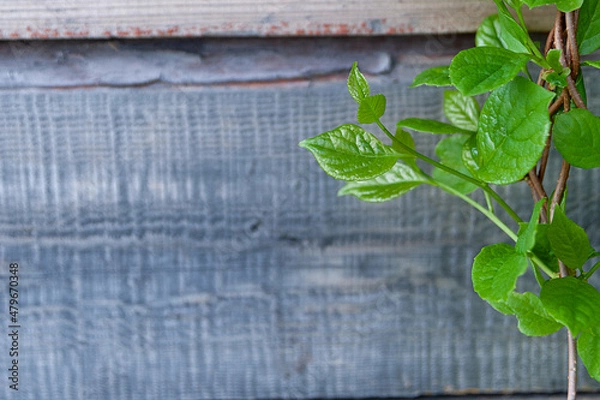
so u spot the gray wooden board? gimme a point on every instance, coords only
(176, 243)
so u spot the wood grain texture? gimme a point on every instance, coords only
(176, 243)
(35, 19)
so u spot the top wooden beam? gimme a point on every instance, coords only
(64, 19)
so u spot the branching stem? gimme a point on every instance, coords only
(484, 186)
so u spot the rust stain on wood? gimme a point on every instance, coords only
(374, 27)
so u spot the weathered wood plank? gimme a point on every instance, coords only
(177, 243)
(36, 19)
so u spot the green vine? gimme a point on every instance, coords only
(504, 141)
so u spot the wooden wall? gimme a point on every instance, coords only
(175, 242)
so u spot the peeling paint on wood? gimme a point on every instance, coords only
(34, 19)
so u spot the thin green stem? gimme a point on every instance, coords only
(490, 215)
(488, 201)
(484, 186)
(588, 274)
(538, 57)
(541, 265)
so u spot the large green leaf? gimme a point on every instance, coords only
(513, 128)
(569, 241)
(512, 35)
(531, 314)
(496, 270)
(588, 27)
(435, 76)
(572, 302)
(358, 87)
(371, 108)
(488, 33)
(351, 153)
(481, 69)
(461, 111)
(576, 135)
(430, 126)
(562, 5)
(588, 348)
(449, 151)
(394, 183)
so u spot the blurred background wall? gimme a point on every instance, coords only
(174, 242)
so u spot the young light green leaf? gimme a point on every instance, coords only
(399, 180)
(488, 33)
(526, 238)
(496, 270)
(588, 27)
(576, 135)
(350, 153)
(358, 87)
(588, 348)
(572, 302)
(553, 58)
(569, 241)
(481, 69)
(371, 108)
(461, 111)
(512, 35)
(436, 76)
(430, 126)
(513, 127)
(449, 151)
(531, 314)
(562, 5)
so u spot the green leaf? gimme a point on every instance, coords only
(542, 248)
(572, 302)
(512, 34)
(358, 87)
(515, 3)
(513, 127)
(526, 238)
(580, 85)
(481, 69)
(496, 270)
(449, 151)
(405, 138)
(553, 58)
(436, 76)
(488, 33)
(569, 241)
(562, 5)
(531, 314)
(591, 63)
(399, 180)
(588, 27)
(588, 348)
(576, 135)
(461, 111)
(430, 126)
(371, 108)
(351, 153)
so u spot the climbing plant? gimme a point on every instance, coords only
(505, 140)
